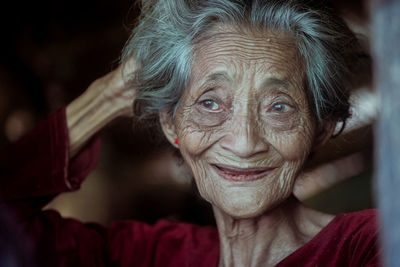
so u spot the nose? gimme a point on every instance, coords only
(244, 137)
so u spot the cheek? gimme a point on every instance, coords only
(195, 133)
(191, 148)
(294, 144)
(285, 122)
(293, 149)
(195, 138)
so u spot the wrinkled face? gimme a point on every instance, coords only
(243, 124)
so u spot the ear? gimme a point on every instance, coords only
(168, 127)
(325, 132)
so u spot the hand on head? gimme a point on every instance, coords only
(106, 99)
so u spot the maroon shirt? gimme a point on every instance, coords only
(37, 168)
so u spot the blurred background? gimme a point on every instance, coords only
(52, 50)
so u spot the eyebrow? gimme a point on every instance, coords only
(220, 76)
(273, 81)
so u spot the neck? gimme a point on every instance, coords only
(267, 239)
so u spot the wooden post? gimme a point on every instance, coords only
(385, 39)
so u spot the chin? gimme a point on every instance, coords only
(244, 213)
(245, 207)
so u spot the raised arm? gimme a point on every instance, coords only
(106, 99)
(50, 160)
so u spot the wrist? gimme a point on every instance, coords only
(86, 115)
(106, 99)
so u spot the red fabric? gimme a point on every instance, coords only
(348, 240)
(37, 168)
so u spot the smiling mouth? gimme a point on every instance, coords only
(241, 174)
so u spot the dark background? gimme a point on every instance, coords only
(50, 52)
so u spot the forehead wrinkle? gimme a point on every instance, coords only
(251, 40)
(277, 63)
(278, 58)
(246, 43)
(272, 55)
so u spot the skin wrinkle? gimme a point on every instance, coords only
(250, 51)
(243, 60)
(246, 76)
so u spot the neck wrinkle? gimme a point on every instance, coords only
(259, 241)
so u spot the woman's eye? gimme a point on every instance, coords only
(280, 107)
(210, 105)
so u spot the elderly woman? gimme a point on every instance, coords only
(245, 90)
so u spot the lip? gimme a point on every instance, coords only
(236, 174)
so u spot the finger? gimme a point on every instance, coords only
(129, 68)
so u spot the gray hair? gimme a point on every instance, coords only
(167, 30)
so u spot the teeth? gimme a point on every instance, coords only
(242, 174)
(231, 172)
(234, 172)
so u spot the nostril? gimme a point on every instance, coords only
(243, 138)
(244, 145)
